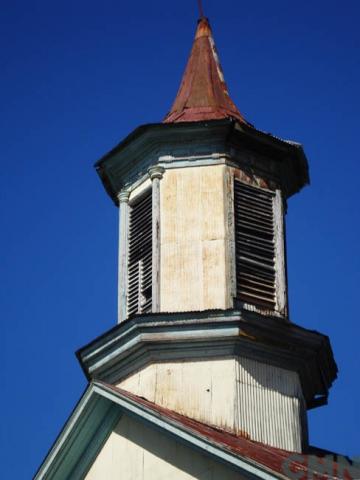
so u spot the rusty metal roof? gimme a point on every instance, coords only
(283, 463)
(203, 94)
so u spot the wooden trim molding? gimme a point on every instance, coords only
(123, 198)
(156, 173)
(280, 280)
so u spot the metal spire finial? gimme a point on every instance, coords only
(201, 10)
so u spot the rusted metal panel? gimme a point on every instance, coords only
(279, 461)
(203, 94)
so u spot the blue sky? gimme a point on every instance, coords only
(76, 77)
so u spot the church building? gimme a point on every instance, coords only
(204, 376)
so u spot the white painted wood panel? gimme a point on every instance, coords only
(240, 395)
(194, 240)
(134, 451)
(196, 389)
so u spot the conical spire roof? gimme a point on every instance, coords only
(203, 93)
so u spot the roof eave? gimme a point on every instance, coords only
(296, 167)
(80, 436)
(152, 133)
(115, 354)
(128, 156)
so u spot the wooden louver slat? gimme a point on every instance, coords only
(255, 245)
(139, 297)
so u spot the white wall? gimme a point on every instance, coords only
(136, 452)
(194, 239)
(240, 395)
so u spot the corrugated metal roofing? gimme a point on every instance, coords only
(203, 94)
(283, 463)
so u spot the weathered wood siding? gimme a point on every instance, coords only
(194, 257)
(236, 394)
(135, 452)
(197, 389)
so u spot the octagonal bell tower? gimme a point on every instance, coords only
(203, 319)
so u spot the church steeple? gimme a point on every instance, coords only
(203, 313)
(203, 94)
(204, 349)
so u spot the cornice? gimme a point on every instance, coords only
(131, 159)
(212, 334)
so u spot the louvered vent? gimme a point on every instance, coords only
(255, 246)
(140, 256)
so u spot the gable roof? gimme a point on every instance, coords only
(101, 407)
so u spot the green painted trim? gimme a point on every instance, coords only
(91, 448)
(81, 438)
(124, 164)
(95, 417)
(248, 468)
(211, 334)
